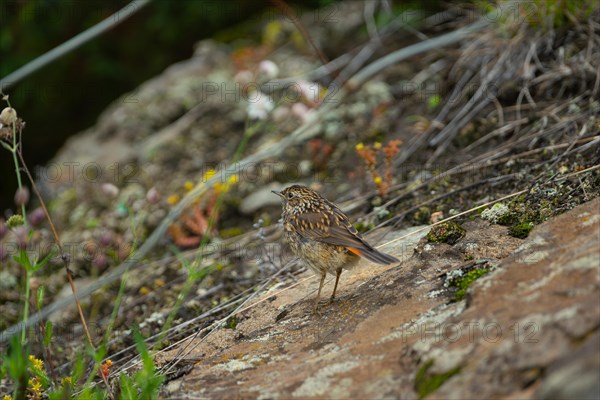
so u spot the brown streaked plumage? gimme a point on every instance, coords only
(321, 235)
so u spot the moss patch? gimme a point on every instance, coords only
(422, 215)
(528, 210)
(231, 323)
(364, 227)
(521, 231)
(463, 282)
(426, 384)
(448, 232)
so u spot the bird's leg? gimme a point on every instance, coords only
(337, 278)
(323, 275)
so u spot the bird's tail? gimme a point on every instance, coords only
(373, 255)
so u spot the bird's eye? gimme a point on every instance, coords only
(290, 195)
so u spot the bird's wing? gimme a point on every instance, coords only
(331, 227)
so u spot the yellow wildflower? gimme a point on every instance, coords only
(360, 146)
(208, 174)
(144, 290)
(34, 386)
(173, 199)
(377, 145)
(188, 185)
(67, 381)
(7, 397)
(233, 179)
(36, 362)
(221, 187)
(378, 180)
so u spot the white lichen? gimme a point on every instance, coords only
(495, 213)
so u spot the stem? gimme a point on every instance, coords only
(66, 260)
(17, 170)
(25, 306)
(13, 150)
(115, 311)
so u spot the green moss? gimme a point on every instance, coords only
(231, 323)
(526, 211)
(507, 219)
(433, 102)
(425, 383)
(448, 232)
(422, 215)
(230, 232)
(362, 228)
(521, 231)
(462, 284)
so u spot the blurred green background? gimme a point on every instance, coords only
(67, 96)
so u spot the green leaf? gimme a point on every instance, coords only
(40, 264)
(186, 264)
(39, 298)
(198, 274)
(6, 146)
(48, 333)
(23, 260)
(146, 379)
(14, 362)
(128, 390)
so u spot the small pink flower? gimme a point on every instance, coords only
(260, 106)
(153, 196)
(268, 68)
(37, 216)
(22, 196)
(110, 190)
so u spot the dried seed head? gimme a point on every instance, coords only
(8, 116)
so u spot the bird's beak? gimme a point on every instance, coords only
(278, 194)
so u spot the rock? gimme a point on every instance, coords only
(527, 329)
(574, 376)
(262, 197)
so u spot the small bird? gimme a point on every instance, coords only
(321, 235)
